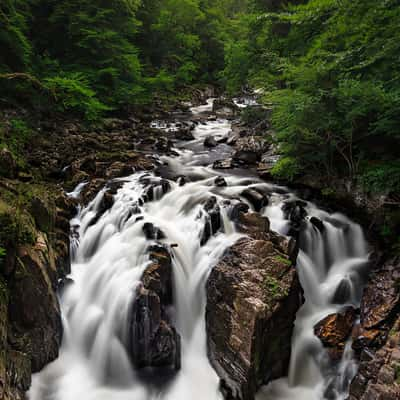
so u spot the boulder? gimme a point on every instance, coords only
(295, 212)
(253, 295)
(220, 181)
(257, 200)
(152, 232)
(210, 141)
(318, 224)
(154, 342)
(223, 164)
(184, 134)
(213, 219)
(246, 157)
(254, 144)
(334, 330)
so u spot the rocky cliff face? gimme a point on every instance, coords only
(253, 294)
(377, 339)
(33, 233)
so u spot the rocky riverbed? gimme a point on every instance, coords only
(253, 293)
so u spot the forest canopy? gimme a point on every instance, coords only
(329, 69)
(89, 57)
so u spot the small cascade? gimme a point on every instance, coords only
(191, 218)
(332, 264)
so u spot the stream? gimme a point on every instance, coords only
(110, 255)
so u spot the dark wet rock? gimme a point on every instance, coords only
(220, 181)
(152, 232)
(182, 180)
(318, 224)
(223, 164)
(378, 374)
(253, 144)
(334, 330)
(154, 342)
(213, 219)
(253, 295)
(257, 200)
(42, 213)
(8, 165)
(295, 212)
(343, 292)
(156, 190)
(210, 141)
(184, 134)
(377, 339)
(237, 209)
(381, 296)
(34, 310)
(246, 157)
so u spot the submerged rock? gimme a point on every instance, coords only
(253, 295)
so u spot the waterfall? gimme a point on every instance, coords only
(110, 252)
(332, 263)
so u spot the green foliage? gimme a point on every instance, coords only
(382, 178)
(73, 93)
(331, 70)
(286, 168)
(90, 58)
(15, 136)
(283, 260)
(273, 287)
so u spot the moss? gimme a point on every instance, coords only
(283, 260)
(273, 287)
(328, 192)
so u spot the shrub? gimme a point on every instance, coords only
(381, 178)
(72, 93)
(286, 168)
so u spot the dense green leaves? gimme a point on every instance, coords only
(332, 70)
(90, 57)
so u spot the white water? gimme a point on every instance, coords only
(110, 256)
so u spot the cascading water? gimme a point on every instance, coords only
(331, 264)
(110, 254)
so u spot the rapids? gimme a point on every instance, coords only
(109, 255)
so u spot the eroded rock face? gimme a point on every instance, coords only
(154, 342)
(379, 306)
(30, 327)
(378, 375)
(377, 340)
(253, 294)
